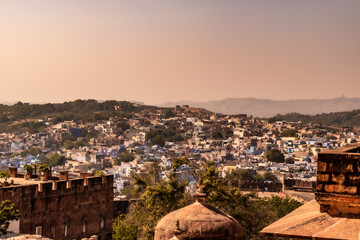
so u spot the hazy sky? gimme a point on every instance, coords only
(158, 51)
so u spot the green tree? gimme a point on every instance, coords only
(275, 155)
(123, 125)
(228, 132)
(8, 213)
(268, 176)
(91, 134)
(69, 144)
(147, 123)
(31, 151)
(5, 175)
(289, 160)
(282, 206)
(124, 156)
(178, 162)
(55, 160)
(158, 140)
(288, 133)
(156, 199)
(169, 114)
(124, 230)
(234, 177)
(251, 212)
(43, 167)
(4, 119)
(217, 135)
(169, 131)
(331, 137)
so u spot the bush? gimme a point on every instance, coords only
(275, 155)
(55, 160)
(8, 213)
(288, 133)
(290, 160)
(124, 156)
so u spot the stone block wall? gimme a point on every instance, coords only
(71, 209)
(338, 182)
(339, 173)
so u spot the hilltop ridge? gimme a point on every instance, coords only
(268, 108)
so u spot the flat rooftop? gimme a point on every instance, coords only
(307, 222)
(23, 181)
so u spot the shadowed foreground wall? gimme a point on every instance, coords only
(65, 209)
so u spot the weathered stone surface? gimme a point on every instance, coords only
(321, 166)
(339, 179)
(337, 193)
(332, 188)
(323, 177)
(28, 237)
(65, 205)
(198, 221)
(307, 222)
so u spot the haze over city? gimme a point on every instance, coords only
(179, 119)
(159, 51)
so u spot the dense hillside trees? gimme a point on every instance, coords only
(55, 160)
(236, 176)
(81, 110)
(159, 137)
(158, 197)
(288, 133)
(340, 119)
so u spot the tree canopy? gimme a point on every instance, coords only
(289, 160)
(288, 133)
(275, 155)
(124, 156)
(340, 119)
(55, 160)
(159, 137)
(158, 196)
(8, 213)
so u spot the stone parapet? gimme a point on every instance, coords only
(338, 182)
(70, 209)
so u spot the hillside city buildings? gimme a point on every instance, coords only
(231, 141)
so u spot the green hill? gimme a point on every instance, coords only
(339, 119)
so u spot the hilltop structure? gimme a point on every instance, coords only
(63, 208)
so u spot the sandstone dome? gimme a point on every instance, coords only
(198, 221)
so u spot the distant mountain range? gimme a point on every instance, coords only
(269, 108)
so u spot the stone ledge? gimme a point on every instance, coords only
(339, 205)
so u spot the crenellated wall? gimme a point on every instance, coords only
(300, 184)
(260, 185)
(338, 182)
(75, 205)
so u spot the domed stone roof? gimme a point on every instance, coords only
(198, 221)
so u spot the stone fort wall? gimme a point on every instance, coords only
(338, 182)
(71, 209)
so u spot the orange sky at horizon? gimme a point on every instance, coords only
(159, 51)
